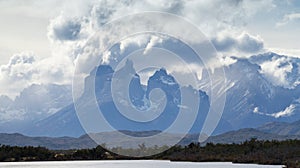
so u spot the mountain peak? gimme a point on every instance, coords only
(161, 76)
(162, 71)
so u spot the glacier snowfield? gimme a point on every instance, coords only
(131, 164)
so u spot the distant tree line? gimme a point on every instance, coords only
(27, 153)
(252, 151)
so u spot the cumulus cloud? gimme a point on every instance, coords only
(35, 102)
(210, 16)
(288, 18)
(24, 69)
(71, 35)
(16, 73)
(29, 82)
(19, 67)
(87, 38)
(64, 29)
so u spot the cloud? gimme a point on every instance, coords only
(19, 67)
(249, 44)
(84, 46)
(210, 16)
(64, 29)
(282, 71)
(256, 110)
(35, 102)
(138, 41)
(295, 53)
(288, 18)
(24, 69)
(288, 111)
(240, 45)
(73, 40)
(153, 41)
(17, 74)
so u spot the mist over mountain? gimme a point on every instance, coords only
(65, 121)
(254, 100)
(34, 103)
(255, 89)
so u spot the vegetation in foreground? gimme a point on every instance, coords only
(252, 151)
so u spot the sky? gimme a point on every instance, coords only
(40, 41)
(24, 25)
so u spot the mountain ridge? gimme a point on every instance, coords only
(84, 141)
(66, 123)
(253, 99)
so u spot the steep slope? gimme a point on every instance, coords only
(36, 102)
(253, 100)
(65, 122)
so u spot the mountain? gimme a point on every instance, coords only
(33, 103)
(85, 141)
(51, 143)
(5, 102)
(65, 122)
(281, 128)
(261, 89)
(242, 135)
(252, 99)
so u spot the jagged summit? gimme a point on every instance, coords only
(254, 96)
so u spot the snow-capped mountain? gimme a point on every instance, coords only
(34, 103)
(260, 89)
(65, 121)
(254, 99)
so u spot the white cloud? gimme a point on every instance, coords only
(139, 41)
(25, 69)
(286, 112)
(35, 102)
(72, 32)
(209, 16)
(83, 45)
(64, 29)
(240, 45)
(288, 18)
(288, 52)
(226, 61)
(186, 69)
(281, 71)
(153, 41)
(19, 67)
(256, 110)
